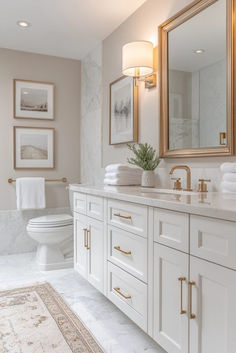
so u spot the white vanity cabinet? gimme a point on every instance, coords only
(173, 273)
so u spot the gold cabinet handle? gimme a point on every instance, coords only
(123, 251)
(191, 284)
(117, 289)
(222, 138)
(88, 240)
(85, 238)
(181, 279)
(121, 216)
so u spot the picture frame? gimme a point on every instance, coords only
(33, 100)
(123, 111)
(34, 147)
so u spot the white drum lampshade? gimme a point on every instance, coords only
(137, 59)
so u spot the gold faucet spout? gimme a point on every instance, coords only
(188, 171)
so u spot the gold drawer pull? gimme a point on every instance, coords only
(191, 284)
(117, 289)
(121, 216)
(88, 232)
(181, 279)
(123, 251)
(85, 238)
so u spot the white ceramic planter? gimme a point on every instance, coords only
(148, 179)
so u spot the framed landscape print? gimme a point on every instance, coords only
(33, 147)
(123, 111)
(33, 100)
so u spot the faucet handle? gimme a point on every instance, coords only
(202, 187)
(177, 184)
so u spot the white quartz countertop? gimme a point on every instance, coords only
(211, 204)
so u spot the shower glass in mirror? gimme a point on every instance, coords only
(197, 83)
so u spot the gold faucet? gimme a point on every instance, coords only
(188, 171)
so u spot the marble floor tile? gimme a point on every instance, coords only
(112, 329)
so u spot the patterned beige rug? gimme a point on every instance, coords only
(35, 319)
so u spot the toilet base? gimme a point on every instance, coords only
(51, 258)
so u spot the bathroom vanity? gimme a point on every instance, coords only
(165, 258)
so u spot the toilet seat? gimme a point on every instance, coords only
(51, 221)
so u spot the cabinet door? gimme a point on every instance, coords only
(213, 302)
(170, 299)
(80, 252)
(96, 254)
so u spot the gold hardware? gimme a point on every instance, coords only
(222, 138)
(88, 231)
(188, 171)
(121, 216)
(151, 81)
(177, 184)
(85, 238)
(202, 187)
(117, 289)
(191, 284)
(123, 251)
(181, 279)
(63, 180)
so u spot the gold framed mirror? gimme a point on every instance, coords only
(196, 75)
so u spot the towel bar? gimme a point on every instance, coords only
(63, 180)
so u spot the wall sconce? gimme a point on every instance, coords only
(137, 61)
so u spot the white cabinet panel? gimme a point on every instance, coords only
(129, 294)
(128, 216)
(172, 229)
(79, 203)
(95, 207)
(170, 302)
(213, 298)
(80, 250)
(128, 251)
(213, 240)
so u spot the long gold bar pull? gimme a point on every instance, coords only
(121, 216)
(88, 240)
(85, 238)
(117, 289)
(191, 284)
(123, 251)
(181, 279)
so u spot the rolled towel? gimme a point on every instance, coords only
(111, 168)
(128, 175)
(228, 168)
(121, 182)
(229, 186)
(229, 177)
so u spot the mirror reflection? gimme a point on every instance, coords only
(197, 80)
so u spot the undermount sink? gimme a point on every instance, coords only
(168, 191)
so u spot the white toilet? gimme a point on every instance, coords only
(54, 235)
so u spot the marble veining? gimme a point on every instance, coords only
(13, 236)
(113, 330)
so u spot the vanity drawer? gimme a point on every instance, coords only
(128, 216)
(214, 240)
(80, 203)
(128, 251)
(172, 229)
(129, 294)
(95, 207)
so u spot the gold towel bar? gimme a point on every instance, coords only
(63, 180)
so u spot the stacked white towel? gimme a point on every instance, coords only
(122, 174)
(228, 183)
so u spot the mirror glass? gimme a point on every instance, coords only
(197, 80)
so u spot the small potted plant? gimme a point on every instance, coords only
(145, 157)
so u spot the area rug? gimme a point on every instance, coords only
(35, 319)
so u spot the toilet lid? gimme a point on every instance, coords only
(51, 221)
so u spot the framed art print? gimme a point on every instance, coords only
(33, 100)
(33, 148)
(123, 111)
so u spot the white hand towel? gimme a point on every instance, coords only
(111, 168)
(229, 177)
(224, 191)
(229, 186)
(30, 193)
(120, 182)
(228, 168)
(123, 175)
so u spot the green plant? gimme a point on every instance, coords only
(144, 156)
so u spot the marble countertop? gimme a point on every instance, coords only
(211, 204)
